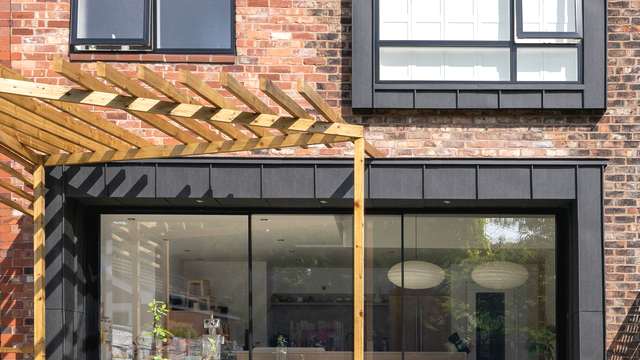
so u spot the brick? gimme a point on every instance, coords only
(310, 39)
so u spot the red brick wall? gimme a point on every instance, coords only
(310, 39)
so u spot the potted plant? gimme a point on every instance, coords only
(159, 334)
(542, 341)
(281, 348)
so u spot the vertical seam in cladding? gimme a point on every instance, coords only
(315, 182)
(477, 181)
(155, 180)
(260, 179)
(210, 176)
(531, 182)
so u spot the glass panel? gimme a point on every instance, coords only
(549, 15)
(383, 307)
(194, 24)
(185, 261)
(480, 288)
(111, 20)
(444, 19)
(547, 64)
(302, 283)
(445, 64)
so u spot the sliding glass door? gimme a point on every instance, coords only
(461, 287)
(299, 296)
(280, 287)
(195, 264)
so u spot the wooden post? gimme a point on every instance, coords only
(358, 249)
(38, 264)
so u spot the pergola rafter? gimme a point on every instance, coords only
(49, 125)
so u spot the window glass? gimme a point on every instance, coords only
(302, 279)
(444, 19)
(187, 262)
(383, 312)
(110, 20)
(444, 63)
(194, 24)
(483, 288)
(547, 64)
(549, 15)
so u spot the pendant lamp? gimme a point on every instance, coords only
(500, 275)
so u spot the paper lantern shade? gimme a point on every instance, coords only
(417, 275)
(500, 275)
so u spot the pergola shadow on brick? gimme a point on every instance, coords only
(50, 125)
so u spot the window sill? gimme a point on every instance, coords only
(156, 58)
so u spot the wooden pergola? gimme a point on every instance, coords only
(50, 125)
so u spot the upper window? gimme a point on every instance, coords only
(478, 40)
(169, 26)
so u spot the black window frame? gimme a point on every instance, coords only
(589, 92)
(144, 41)
(147, 45)
(512, 44)
(77, 195)
(549, 34)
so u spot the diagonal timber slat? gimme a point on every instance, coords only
(73, 73)
(160, 107)
(86, 116)
(131, 87)
(214, 98)
(218, 147)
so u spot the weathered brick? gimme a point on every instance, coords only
(310, 39)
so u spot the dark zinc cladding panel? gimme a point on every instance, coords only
(54, 228)
(590, 239)
(132, 180)
(85, 181)
(394, 99)
(436, 100)
(288, 181)
(183, 181)
(334, 182)
(562, 100)
(236, 181)
(502, 182)
(520, 99)
(478, 100)
(395, 182)
(362, 80)
(54, 324)
(595, 56)
(590, 340)
(450, 182)
(554, 182)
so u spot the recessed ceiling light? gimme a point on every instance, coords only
(324, 202)
(446, 202)
(200, 201)
(267, 230)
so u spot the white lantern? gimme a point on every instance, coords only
(500, 275)
(417, 275)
